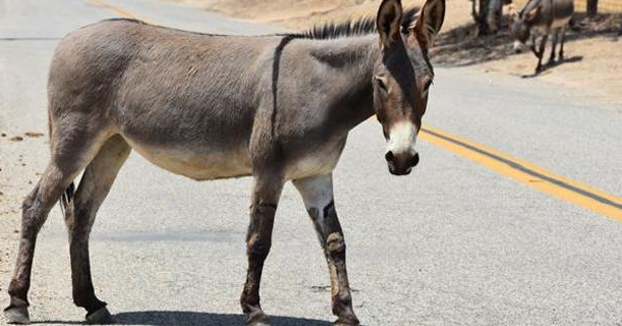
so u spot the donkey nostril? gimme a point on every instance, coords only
(389, 156)
(415, 160)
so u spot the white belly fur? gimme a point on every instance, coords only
(198, 165)
(201, 165)
(319, 162)
(558, 23)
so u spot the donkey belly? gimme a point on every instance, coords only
(196, 163)
(556, 24)
(560, 22)
(320, 161)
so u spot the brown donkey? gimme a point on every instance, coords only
(276, 108)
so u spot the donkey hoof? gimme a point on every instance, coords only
(258, 319)
(350, 321)
(260, 323)
(99, 317)
(263, 322)
(17, 315)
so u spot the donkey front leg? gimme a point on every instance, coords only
(266, 193)
(540, 53)
(317, 194)
(533, 45)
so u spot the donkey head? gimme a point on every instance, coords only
(520, 26)
(402, 76)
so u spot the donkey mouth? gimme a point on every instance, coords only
(401, 165)
(395, 171)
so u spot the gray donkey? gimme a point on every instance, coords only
(276, 108)
(544, 17)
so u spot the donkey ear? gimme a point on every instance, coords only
(532, 14)
(512, 12)
(389, 21)
(429, 22)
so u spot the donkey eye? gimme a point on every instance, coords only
(427, 84)
(381, 84)
(426, 87)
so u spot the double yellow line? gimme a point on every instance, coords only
(115, 9)
(529, 174)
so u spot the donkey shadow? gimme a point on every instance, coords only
(190, 318)
(554, 64)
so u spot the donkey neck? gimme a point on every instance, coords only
(349, 64)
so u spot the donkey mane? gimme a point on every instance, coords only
(361, 26)
(331, 30)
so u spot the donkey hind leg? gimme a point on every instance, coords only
(94, 186)
(266, 193)
(70, 154)
(553, 46)
(317, 194)
(560, 57)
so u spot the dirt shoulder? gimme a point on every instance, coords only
(303, 14)
(593, 65)
(592, 61)
(593, 55)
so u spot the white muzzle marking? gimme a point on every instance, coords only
(519, 46)
(402, 138)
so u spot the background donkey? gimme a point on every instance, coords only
(206, 106)
(495, 14)
(544, 17)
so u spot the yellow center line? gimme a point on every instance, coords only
(567, 189)
(114, 9)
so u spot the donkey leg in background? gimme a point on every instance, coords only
(474, 13)
(266, 193)
(94, 187)
(560, 57)
(533, 45)
(71, 151)
(317, 194)
(542, 46)
(553, 46)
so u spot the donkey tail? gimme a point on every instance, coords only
(66, 199)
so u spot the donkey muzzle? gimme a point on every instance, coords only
(518, 46)
(401, 164)
(401, 155)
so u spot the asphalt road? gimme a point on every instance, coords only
(454, 243)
